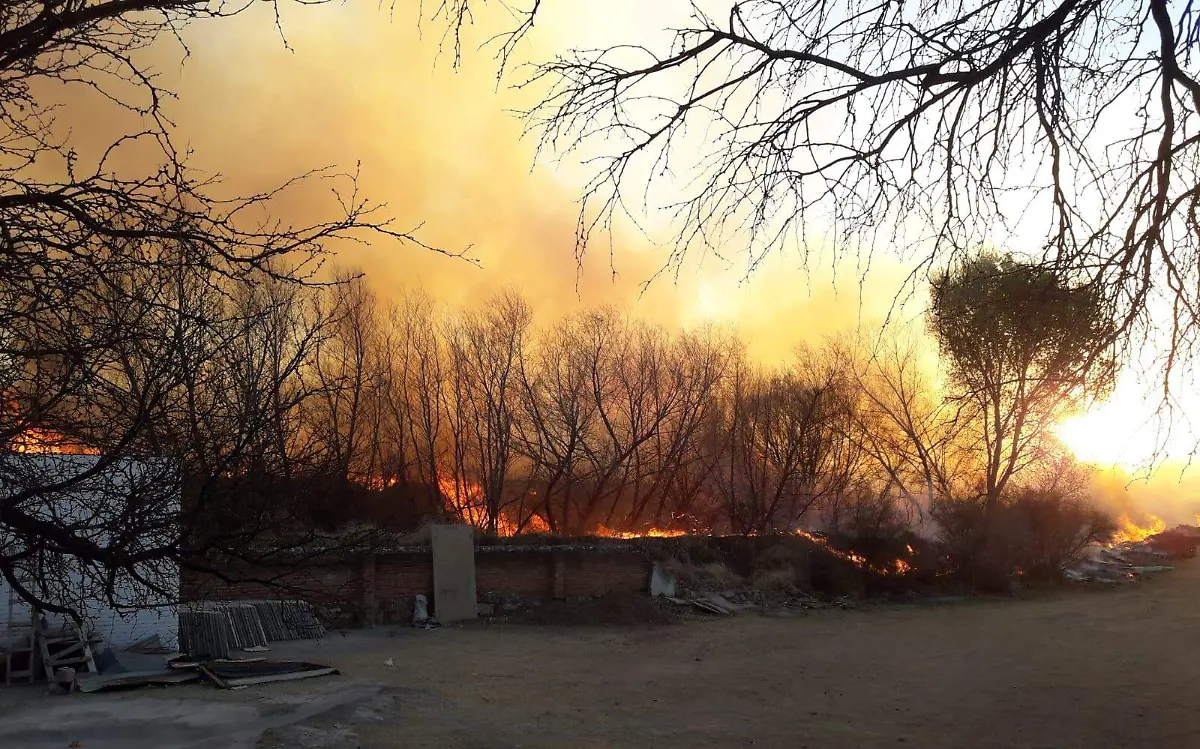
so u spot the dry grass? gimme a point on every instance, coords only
(776, 580)
(710, 576)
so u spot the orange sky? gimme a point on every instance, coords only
(439, 146)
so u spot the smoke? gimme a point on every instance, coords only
(1171, 493)
(351, 85)
(355, 85)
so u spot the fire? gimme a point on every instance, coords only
(48, 442)
(375, 483)
(897, 567)
(1130, 532)
(606, 532)
(536, 524)
(466, 500)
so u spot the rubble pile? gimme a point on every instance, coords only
(1128, 561)
(700, 592)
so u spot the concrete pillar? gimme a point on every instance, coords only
(453, 572)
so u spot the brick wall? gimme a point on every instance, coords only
(380, 589)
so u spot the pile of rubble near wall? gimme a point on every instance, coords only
(213, 628)
(1131, 560)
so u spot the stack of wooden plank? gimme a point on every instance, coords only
(245, 626)
(289, 620)
(204, 631)
(212, 628)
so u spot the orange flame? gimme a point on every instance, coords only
(1130, 532)
(375, 483)
(897, 567)
(36, 441)
(465, 499)
(606, 532)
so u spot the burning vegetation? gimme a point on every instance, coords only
(35, 441)
(1130, 532)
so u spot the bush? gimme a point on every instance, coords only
(1030, 534)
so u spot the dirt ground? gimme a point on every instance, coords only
(1118, 668)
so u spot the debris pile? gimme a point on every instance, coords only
(212, 628)
(224, 673)
(1129, 560)
(665, 585)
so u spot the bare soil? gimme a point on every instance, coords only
(1114, 668)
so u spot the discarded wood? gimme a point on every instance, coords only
(229, 675)
(244, 681)
(211, 676)
(721, 602)
(211, 628)
(128, 679)
(704, 605)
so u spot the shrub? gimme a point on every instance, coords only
(1030, 534)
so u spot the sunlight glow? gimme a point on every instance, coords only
(1125, 431)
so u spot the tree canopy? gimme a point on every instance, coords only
(1025, 348)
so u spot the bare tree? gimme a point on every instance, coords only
(667, 472)
(558, 417)
(348, 368)
(117, 331)
(485, 349)
(1069, 126)
(782, 444)
(915, 435)
(419, 393)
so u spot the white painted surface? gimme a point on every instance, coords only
(93, 506)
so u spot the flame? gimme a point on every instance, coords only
(375, 483)
(466, 501)
(897, 567)
(35, 441)
(606, 532)
(1130, 532)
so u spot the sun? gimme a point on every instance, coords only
(1124, 431)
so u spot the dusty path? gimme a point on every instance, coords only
(1112, 669)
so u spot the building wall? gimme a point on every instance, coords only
(91, 506)
(380, 589)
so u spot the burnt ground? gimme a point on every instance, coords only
(1113, 668)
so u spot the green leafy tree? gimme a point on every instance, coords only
(1025, 348)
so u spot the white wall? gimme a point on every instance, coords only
(94, 507)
